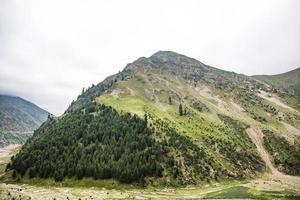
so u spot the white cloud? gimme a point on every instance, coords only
(51, 49)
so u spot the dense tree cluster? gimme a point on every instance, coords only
(95, 142)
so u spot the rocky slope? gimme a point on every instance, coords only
(165, 119)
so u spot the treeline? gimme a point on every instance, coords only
(95, 142)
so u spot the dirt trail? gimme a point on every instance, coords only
(207, 93)
(275, 100)
(5, 152)
(276, 176)
(257, 138)
(293, 130)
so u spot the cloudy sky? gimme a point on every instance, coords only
(50, 50)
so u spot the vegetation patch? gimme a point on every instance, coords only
(201, 107)
(286, 157)
(236, 147)
(190, 163)
(242, 192)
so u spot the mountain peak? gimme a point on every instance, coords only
(167, 56)
(174, 59)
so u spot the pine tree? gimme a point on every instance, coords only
(180, 110)
(146, 118)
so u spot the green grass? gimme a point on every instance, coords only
(135, 104)
(242, 192)
(75, 183)
(232, 192)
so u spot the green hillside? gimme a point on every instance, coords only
(287, 85)
(167, 119)
(289, 81)
(18, 119)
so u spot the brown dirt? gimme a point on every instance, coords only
(293, 130)
(275, 100)
(5, 151)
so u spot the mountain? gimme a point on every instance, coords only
(18, 119)
(167, 119)
(289, 81)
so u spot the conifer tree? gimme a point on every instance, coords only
(180, 110)
(170, 100)
(146, 118)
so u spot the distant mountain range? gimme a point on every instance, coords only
(18, 119)
(170, 119)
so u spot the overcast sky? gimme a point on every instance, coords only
(50, 50)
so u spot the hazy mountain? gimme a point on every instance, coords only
(168, 119)
(18, 119)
